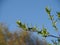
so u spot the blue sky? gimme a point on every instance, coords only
(28, 11)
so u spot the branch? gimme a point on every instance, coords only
(53, 36)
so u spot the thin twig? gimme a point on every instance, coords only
(53, 36)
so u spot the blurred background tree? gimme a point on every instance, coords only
(22, 37)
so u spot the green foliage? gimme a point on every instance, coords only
(51, 17)
(48, 10)
(23, 26)
(58, 15)
(43, 32)
(54, 22)
(49, 13)
(54, 25)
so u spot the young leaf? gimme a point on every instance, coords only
(19, 23)
(51, 17)
(44, 32)
(54, 25)
(34, 28)
(58, 14)
(48, 10)
(23, 26)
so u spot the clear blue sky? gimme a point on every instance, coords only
(28, 11)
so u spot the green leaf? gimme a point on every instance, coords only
(44, 32)
(58, 14)
(19, 23)
(48, 10)
(54, 25)
(51, 17)
(34, 28)
(23, 26)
